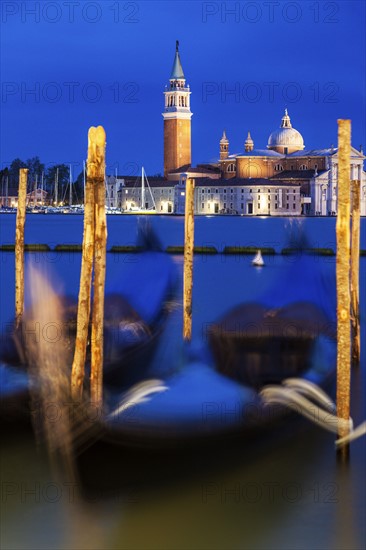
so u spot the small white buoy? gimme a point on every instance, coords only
(258, 260)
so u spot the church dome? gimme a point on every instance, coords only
(286, 139)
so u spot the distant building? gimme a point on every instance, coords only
(258, 197)
(9, 195)
(283, 179)
(286, 162)
(37, 197)
(111, 195)
(130, 190)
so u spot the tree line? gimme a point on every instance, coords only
(9, 178)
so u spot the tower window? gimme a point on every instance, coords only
(278, 167)
(303, 167)
(231, 167)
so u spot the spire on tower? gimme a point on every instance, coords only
(224, 138)
(249, 143)
(224, 146)
(177, 70)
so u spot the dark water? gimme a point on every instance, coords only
(219, 231)
(285, 492)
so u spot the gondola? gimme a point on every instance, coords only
(287, 334)
(137, 303)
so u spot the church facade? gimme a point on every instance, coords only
(282, 179)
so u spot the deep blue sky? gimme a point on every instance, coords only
(312, 52)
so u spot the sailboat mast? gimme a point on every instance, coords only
(106, 188)
(142, 188)
(42, 188)
(151, 194)
(35, 191)
(70, 190)
(56, 187)
(84, 176)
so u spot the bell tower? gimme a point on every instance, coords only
(177, 119)
(224, 146)
(249, 143)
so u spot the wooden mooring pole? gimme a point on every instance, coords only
(188, 259)
(343, 279)
(100, 247)
(19, 246)
(95, 175)
(355, 273)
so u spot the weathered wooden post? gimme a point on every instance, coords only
(95, 172)
(355, 272)
(19, 246)
(188, 259)
(343, 279)
(100, 245)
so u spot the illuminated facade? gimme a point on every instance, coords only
(283, 179)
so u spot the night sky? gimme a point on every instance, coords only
(67, 66)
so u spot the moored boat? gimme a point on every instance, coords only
(288, 333)
(136, 306)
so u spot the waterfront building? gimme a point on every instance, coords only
(258, 197)
(263, 181)
(111, 191)
(129, 194)
(37, 197)
(288, 162)
(284, 178)
(8, 195)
